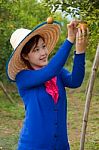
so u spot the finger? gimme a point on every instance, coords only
(76, 22)
(72, 23)
(69, 25)
(79, 34)
(78, 37)
(84, 33)
(88, 32)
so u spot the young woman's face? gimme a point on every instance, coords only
(38, 56)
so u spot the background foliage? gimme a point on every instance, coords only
(86, 10)
(17, 14)
(28, 13)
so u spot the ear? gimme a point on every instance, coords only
(25, 56)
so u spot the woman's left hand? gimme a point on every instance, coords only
(81, 40)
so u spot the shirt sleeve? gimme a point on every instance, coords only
(32, 78)
(75, 78)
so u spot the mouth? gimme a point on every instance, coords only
(43, 58)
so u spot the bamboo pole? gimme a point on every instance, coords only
(88, 98)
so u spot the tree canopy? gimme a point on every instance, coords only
(87, 10)
(28, 13)
(16, 14)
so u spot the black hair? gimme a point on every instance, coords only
(28, 46)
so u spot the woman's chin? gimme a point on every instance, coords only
(44, 64)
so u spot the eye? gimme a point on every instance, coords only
(36, 49)
(44, 46)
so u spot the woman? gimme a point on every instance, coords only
(41, 85)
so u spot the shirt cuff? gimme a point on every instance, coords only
(79, 57)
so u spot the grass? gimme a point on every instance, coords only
(11, 117)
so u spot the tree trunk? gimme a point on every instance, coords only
(88, 98)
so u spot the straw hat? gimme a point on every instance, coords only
(50, 31)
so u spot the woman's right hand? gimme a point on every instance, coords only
(72, 30)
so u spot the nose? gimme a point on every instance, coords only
(43, 51)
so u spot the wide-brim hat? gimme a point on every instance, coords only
(49, 31)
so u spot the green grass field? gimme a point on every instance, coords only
(11, 117)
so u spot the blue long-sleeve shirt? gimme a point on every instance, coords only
(45, 123)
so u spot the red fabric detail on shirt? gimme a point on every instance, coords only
(52, 89)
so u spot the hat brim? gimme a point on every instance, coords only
(50, 33)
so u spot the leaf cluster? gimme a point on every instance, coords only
(16, 14)
(87, 10)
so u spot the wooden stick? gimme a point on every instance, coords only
(88, 98)
(5, 92)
